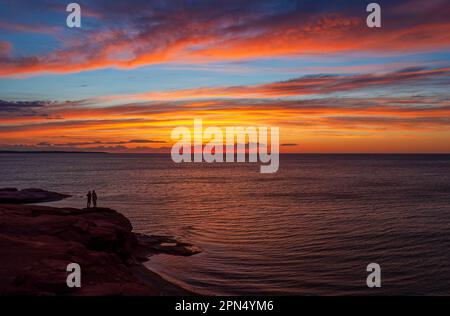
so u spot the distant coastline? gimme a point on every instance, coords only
(50, 152)
(168, 153)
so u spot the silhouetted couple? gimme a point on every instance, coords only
(91, 197)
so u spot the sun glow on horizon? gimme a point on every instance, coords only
(122, 84)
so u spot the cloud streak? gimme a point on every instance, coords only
(307, 85)
(141, 33)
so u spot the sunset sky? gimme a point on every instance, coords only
(137, 69)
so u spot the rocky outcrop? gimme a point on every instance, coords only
(14, 196)
(38, 242)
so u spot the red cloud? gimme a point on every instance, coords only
(5, 48)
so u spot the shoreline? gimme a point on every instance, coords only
(38, 242)
(166, 288)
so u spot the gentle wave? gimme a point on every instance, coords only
(311, 228)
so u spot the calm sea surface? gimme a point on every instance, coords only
(312, 228)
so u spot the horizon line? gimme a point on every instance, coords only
(168, 153)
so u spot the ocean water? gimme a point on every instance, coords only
(310, 229)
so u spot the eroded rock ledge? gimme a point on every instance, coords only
(38, 242)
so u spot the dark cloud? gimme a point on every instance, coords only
(67, 124)
(320, 84)
(144, 141)
(117, 143)
(23, 108)
(45, 144)
(14, 106)
(111, 149)
(368, 121)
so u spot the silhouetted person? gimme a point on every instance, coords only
(89, 198)
(94, 198)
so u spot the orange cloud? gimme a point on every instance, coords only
(351, 122)
(180, 36)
